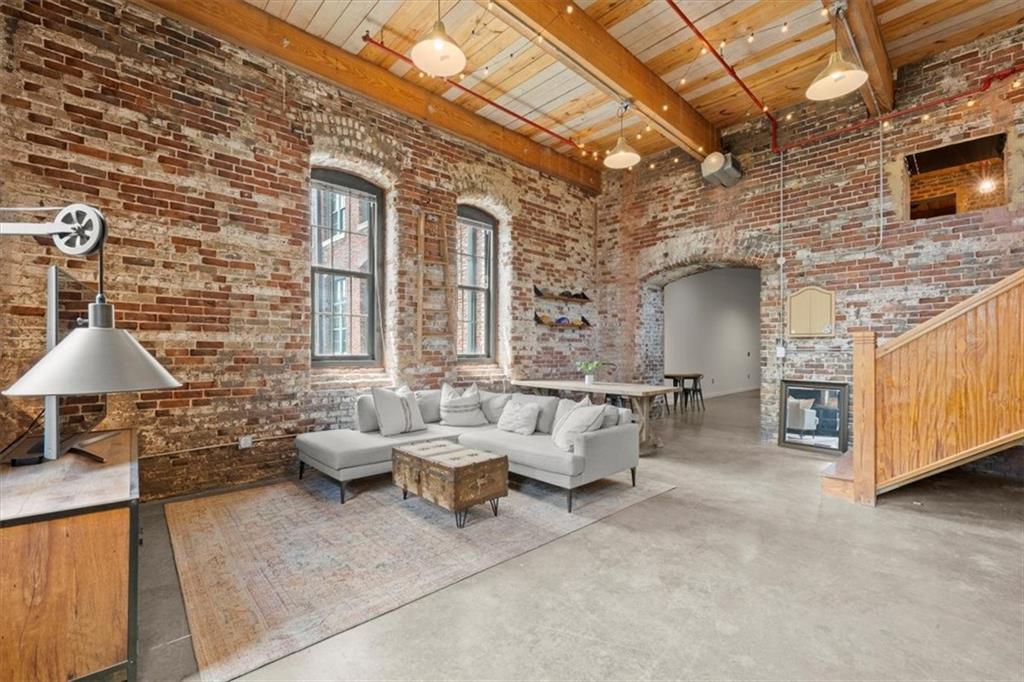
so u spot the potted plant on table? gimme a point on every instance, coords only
(589, 368)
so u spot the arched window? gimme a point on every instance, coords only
(346, 218)
(476, 266)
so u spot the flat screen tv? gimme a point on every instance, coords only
(66, 421)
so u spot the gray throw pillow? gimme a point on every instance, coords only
(580, 420)
(548, 407)
(366, 415)
(430, 404)
(492, 404)
(565, 406)
(461, 408)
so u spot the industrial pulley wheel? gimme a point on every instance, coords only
(86, 230)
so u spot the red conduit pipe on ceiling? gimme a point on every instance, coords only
(398, 55)
(938, 101)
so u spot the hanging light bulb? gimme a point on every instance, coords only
(750, 38)
(622, 155)
(785, 27)
(986, 186)
(840, 77)
(437, 53)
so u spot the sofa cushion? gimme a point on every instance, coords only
(397, 411)
(430, 404)
(535, 451)
(366, 415)
(492, 404)
(519, 418)
(579, 420)
(343, 448)
(548, 408)
(461, 408)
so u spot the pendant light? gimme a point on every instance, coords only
(840, 77)
(437, 54)
(622, 155)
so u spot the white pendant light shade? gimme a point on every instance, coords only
(839, 78)
(437, 54)
(622, 155)
(94, 360)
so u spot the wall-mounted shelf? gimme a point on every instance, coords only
(580, 297)
(581, 323)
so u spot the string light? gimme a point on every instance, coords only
(700, 149)
(651, 166)
(647, 129)
(421, 74)
(462, 76)
(664, 107)
(886, 124)
(824, 11)
(970, 102)
(1016, 84)
(568, 9)
(638, 136)
(721, 45)
(487, 71)
(703, 50)
(750, 38)
(926, 117)
(675, 159)
(785, 27)
(540, 39)
(765, 108)
(682, 81)
(789, 116)
(595, 153)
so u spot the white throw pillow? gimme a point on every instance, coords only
(611, 417)
(519, 418)
(548, 407)
(565, 406)
(580, 420)
(461, 408)
(492, 404)
(397, 411)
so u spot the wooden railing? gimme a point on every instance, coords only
(946, 392)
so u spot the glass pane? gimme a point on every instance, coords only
(473, 322)
(364, 211)
(813, 416)
(354, 254)
(359, 317)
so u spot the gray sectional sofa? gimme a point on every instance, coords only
(350, 454)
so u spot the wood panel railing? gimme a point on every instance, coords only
(944, 393)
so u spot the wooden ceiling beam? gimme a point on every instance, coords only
(245, 25)
(877, 93)
(582, 44)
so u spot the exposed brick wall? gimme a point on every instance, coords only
(199, 153)
(656, 225)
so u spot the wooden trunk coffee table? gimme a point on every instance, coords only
(451, 476)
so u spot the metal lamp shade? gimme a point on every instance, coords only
(92, 361)
(839, 78)
(621, 155)
(437, 54)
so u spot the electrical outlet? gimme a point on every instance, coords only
(245, 442)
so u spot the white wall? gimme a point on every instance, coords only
(712, 326)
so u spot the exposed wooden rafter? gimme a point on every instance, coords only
(582, 44)
(241, 23)
(867, 36)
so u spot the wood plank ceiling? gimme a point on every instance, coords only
(776, 46)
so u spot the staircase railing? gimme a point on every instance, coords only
(946, 392)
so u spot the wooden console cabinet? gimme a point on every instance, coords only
(68, 575)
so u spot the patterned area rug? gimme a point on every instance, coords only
(270, 570)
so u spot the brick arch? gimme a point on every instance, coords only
(325, 154)
(501, 211)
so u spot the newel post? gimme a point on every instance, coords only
(864, 417)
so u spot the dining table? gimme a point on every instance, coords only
(641, 397)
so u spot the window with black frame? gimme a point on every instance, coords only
(475, 265)
(344, 216)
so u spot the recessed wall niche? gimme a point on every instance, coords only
(957, 178)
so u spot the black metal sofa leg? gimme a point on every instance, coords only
(632, 472)
(568, 500)
(302, 469)
(342, 486)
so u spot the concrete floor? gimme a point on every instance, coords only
(743, 571)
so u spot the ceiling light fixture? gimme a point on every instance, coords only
(840, 77)
(437, 53)
(622, 155)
